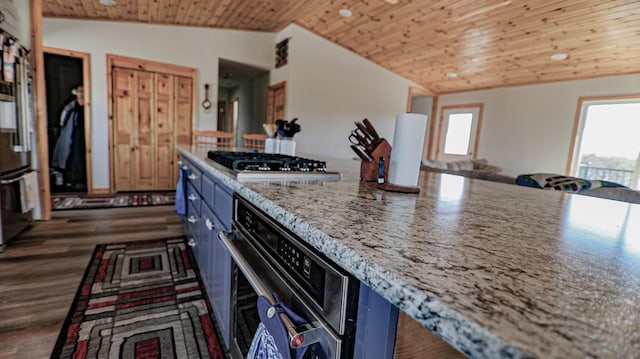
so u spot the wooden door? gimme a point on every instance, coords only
(124, 133)
(183, 115)
(143, 153)
(164, 149)
(276, 100)
(152, 113)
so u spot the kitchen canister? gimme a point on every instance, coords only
(288, 146)
(272, 145)
(408, 143)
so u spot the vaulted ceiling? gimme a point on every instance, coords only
(444, 45)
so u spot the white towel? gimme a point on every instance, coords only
(28, 191)
(263, 345)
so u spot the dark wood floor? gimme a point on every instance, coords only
(41, 269)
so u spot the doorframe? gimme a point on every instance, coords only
(150, 66)
(413, 91)
(480, 107)
(86, 84)
(577, 123)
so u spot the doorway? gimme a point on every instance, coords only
(67, 89)
(276, 102)
(424, 102)
(243, 88)
(605, 140)
(458, 132)
(151, 110)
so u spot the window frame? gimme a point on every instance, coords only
(479, 107)
(579, 122)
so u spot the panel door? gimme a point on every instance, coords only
(276, 100)
(459, 131)
(183, 114)
(143, 164)
(124, 131)
(164, 145)
(152, 113)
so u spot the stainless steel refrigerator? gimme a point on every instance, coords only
(16, 119)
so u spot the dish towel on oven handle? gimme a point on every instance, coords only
(272, 340)
(181, 197)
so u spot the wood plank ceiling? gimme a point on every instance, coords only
(487, 43)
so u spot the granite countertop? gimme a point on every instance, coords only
(496, 270)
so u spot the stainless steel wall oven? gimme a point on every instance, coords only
(269, 259)
(16, 119)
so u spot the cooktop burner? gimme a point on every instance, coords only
(269, 165)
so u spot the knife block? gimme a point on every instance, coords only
(369, 170)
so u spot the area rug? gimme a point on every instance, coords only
(140, 300)
(63, 202)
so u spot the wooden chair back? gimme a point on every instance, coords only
(212, 138)
(254, 141)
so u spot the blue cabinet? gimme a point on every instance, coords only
(209, 211)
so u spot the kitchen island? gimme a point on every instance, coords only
(495, 270)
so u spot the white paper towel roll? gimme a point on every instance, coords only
(408, 142)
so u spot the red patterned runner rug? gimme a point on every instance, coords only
(140, 300)
(62, 202)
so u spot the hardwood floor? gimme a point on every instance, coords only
(41, 270)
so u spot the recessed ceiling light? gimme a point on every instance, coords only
(559, 57)
(345, 13)
(452, 75)
(108, 2)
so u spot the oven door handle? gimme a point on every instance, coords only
(297, 339)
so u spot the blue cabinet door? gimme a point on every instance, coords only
(207, 228)
(221, 287)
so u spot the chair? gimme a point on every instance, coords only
(212, 138)
(254, 141)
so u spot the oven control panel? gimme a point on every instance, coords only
(290, 255)
(294, 259)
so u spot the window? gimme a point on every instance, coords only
(459, 130)
(458, 134)
(607, 143)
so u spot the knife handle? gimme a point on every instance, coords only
(370, 129)
(364, 131)
(361, 153)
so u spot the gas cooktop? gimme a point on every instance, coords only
(254, 165)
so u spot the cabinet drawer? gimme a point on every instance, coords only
(193, 175)
(223, 205)
(193, 199)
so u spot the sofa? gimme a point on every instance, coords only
(476, 168)
(481, 169)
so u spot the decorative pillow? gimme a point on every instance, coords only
(460, 165)
(435, 164)
(480, 164)
(553, 181)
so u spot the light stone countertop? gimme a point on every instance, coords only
(496, 270)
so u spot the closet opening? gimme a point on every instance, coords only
(68, 122)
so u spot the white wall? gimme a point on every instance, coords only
(199, 48)
(329, 87)
(528, 129)
(424, 105)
